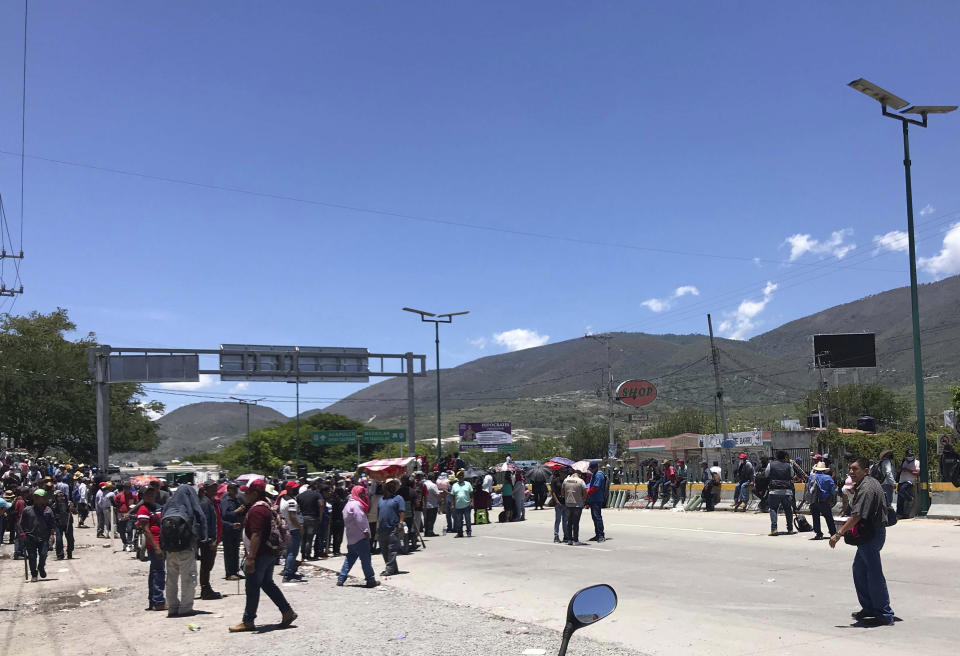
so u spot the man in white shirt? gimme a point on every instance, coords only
(487, 484)
(909, 475)
(431, 502)
(290, 512)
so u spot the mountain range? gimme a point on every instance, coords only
(548, 386)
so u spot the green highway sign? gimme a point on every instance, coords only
(323, 437)
(506, 448)
(372, 436)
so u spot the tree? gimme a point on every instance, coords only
(46, 398)
(271, 447)
(847, 402)
(590, 441)
(684, 420)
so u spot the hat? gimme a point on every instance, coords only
(210, 483)
(817, 458)
(909, 452)
(821, 466)
(39, 493)
(103, 484)
(460, 472)
(258, 485)
(679, 460)
(594, 466)
(8, 495)
(269, 489)
(886, 454)
(292, 485)
(289, 462)
(743, 456)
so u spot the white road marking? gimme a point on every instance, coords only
(679, 528)
(543, 544)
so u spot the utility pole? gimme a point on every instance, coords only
(821, 404)
(247, 404)
(716, 375)
(608, 384)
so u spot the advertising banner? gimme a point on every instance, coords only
(734, 440)
(485, 434)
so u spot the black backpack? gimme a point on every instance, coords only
(876, 471)
(176, 534)
(801, 523)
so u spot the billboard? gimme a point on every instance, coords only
(845, 350)
(153, 368)
(481, 435)
(289, 364)
(734, 440)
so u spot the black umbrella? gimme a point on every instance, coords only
(539, 474)
(475, 472)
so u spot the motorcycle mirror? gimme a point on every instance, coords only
(588, 606)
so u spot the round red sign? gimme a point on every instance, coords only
(636, 393)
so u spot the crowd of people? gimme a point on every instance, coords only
(261, 523)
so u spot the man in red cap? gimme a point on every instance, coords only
(261, 556)
(291, 513)
(744, 476)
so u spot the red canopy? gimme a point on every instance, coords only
(384, 468)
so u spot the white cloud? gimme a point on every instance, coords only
(239, 387)
(520, 338)
(150, 414)
(947, 261)
(206, 380)
(588, 330)
(661, 304)
(895, 240)
(656, 305)
(479, 342)
(739, 323)
(836, 245)
(927, 210)
(756, 261)
(686, 289)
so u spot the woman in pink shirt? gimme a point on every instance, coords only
(357, 531)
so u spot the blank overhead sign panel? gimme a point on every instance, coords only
(153, 368)
(332, 364)
(845, 350)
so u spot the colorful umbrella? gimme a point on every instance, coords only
(143, 479)
(384, 468)
(506, 466)
(581, 466)
(246, 478)
(566, 462)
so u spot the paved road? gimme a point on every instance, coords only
(703, 583)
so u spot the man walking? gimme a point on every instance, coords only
(390, 513)
(596, 496)
(743, 477)
(261, 557)
(868, 516)
(37, 528)
(124, 503)
(780, 495)
(183, 527)
(231, 516)
(208, 549)
(574, 493)
(462, 501)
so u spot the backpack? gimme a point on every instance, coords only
(176, 534)
(801, 523)
(876, 471)
(279, 533)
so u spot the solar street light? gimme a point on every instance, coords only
(888, 99)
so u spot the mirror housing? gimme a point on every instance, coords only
(590, 605)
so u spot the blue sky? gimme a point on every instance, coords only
(553, 167)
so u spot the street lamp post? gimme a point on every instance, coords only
(439, 319)
(247, 403)
(887, 99)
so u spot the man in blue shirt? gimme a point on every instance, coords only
(596, 495)
(390, 513)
